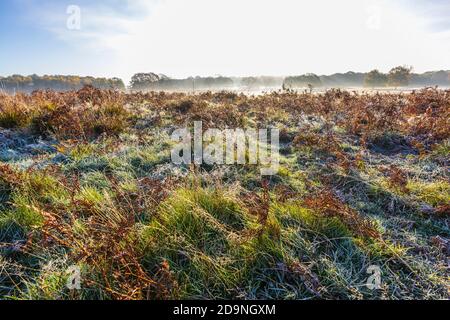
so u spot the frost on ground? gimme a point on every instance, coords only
(86, 180)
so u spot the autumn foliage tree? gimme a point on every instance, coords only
(303, 81)
(399, 76)
(375, 79)
(27, 84)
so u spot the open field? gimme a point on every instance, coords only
(86, 180)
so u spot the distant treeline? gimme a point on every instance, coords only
(397, 77)
(401, 76)
(153, 81)
(16, 83)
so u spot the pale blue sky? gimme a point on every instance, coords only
(228, 37)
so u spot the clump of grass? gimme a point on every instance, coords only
(143, 160)
(82, 122)
(328, 205)
(95, 179)
(194, 232)
(82, 151)
(14, 112)
(9, 178)
(442, 149)
(434, 193)
(110, 119)
(49, 284)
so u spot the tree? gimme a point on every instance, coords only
(250, 82)
(375, 79)
(56, 82)
(399, 76)
(303, 81)
(143, 80)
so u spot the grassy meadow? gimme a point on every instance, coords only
(86, 180)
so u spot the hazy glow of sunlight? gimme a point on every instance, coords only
(261, 37)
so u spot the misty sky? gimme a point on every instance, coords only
(228, 37)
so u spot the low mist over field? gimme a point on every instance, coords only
(399, 78)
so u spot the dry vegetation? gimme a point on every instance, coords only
(86, 180)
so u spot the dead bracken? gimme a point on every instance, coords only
(86, 180)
